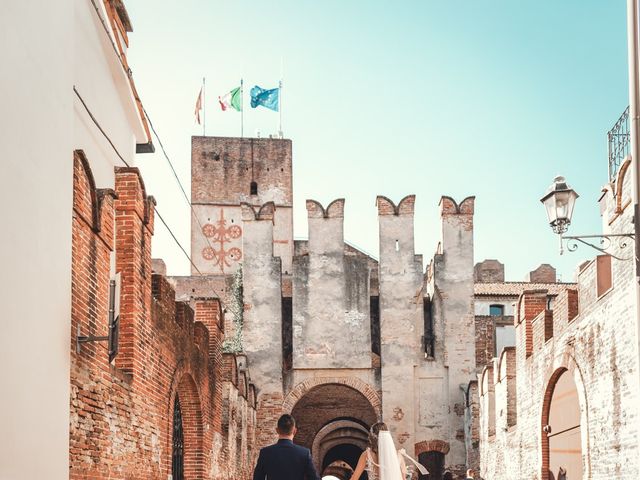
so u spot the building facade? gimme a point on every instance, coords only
(331, 334)
(563, 401)
(62, 65)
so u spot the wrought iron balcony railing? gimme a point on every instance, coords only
(619, 143)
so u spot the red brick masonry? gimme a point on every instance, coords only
(121, 413)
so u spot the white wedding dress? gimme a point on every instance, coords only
(388, 466)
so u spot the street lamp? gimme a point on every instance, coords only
(558, 201)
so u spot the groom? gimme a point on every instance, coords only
(285, 460)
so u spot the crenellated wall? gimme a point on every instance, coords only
(567, 396)
(122, 412)
(331, 328)
(262, 329)
(443, 378)
(401, 316)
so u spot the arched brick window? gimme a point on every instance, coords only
(177, 455)
(185, 431)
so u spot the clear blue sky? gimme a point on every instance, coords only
(491, 98)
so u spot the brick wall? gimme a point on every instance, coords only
(488, 271)
(589, 336)
(223, 168)
(121, 413)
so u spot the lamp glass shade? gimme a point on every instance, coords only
(559, 201)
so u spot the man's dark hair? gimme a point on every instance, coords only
(286, 423)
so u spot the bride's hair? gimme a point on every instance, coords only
(373, 434)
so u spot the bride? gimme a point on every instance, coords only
(381, 460)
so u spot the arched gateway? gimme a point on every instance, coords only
(333, 420)
(562, 435)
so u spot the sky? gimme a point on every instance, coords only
(491, 98)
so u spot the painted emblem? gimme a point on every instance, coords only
(219, 236)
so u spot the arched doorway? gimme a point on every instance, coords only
(338, 470)
(562, 435)
(433, 461)
(333, 422)
(185, 431)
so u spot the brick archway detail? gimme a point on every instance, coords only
(185, 388)
(564, 363)
(303, 388)
(432, 446)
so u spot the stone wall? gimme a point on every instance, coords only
(262, 329)
(452, 289)
(121, 413)
(331, 326)
(401, 316)
(587, 336)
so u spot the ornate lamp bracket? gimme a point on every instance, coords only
(622, 240)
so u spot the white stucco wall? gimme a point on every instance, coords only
(482, 306)
(35, 214)
(47, 48)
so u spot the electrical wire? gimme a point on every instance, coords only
(125, 67)
(129, 74)
(97, 124)
(99, 127)
(177, 242)
(184, 193)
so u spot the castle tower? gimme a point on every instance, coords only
(450, 364)
(401, 276)
(262, 338)
(224, 173)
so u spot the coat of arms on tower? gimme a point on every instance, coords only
(218, 237)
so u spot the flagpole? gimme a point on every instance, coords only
(204, 110)
(280, 109)
(241, 108)
(280, 97)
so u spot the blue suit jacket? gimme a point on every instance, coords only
(285, 461)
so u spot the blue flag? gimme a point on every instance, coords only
(265, 98)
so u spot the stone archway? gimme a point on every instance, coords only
(431, 454)
(561, 427)
(333, 420)
(355, 383)
(339, 469)
(335, 434)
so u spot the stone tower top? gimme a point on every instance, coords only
(230, 170)
(489, 270)
(545, 273)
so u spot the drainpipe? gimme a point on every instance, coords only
(634, 104)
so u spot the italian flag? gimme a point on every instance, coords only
(232, 99)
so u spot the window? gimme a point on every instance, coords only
(429, 337)
(177, 455)
(374, 315)
(496, 310)
(287, 333)
(254, 188)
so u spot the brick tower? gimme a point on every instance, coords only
(226, 172)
